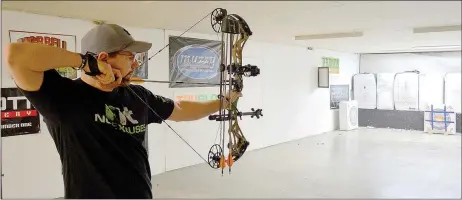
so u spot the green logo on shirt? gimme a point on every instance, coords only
(121, 119)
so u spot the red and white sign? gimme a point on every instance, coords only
(18, 116)
(67, 42)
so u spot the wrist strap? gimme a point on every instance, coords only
(93, 65)
(84, 62)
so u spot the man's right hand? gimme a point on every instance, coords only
(109, 76)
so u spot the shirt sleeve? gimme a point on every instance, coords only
(162, 106)
(51, 98)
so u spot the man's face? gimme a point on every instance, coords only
(125, 62)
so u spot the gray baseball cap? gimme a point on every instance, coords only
(111, 38)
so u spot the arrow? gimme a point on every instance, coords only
(139, 81)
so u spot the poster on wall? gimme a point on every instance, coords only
(385, 91)
(194, 60)
(406, 91)
(142, 70)
(338, 93)
(67, 42)
(332, 63)
(19, 117)
(365, 90)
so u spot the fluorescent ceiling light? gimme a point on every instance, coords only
(437, 29)
(328, 36)
(437, 47)
(422, 49)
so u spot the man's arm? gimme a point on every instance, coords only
(27, 62)
(193, 110)
(167, 109)
(32, 68)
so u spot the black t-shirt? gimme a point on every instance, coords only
(99, 135)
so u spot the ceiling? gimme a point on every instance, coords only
(386, 26)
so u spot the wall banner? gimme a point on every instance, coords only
(67, 42)
(332, 63)
(194, 60)
(19, 117)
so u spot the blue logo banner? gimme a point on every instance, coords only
(194, 60)
(197, 62)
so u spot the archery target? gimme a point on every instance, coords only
(364, 90)
(406, 91)
(385, 91)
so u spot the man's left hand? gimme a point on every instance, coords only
(230, 98)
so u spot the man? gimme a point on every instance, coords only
(98, 121)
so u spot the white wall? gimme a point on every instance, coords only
(286, 90)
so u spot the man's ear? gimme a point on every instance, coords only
(103, 56)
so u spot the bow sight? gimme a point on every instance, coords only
(247, 70)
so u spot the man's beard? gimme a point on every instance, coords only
(126, 80)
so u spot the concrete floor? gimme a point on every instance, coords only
(365, 163)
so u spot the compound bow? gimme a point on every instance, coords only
(231, 79)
